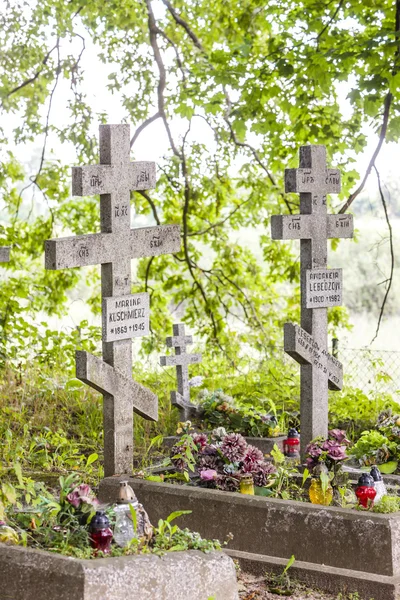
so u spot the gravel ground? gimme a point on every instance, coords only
(255, 588)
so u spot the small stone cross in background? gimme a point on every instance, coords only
(125, 315)
(320, 287)
(181, 360)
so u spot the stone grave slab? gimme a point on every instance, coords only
(336, 549)
(27, 574)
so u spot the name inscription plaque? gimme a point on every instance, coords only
(126, 317)
(323, 288)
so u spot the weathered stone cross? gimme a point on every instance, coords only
(181, 361)
(4, 254)
(124, 315)
(320, 287)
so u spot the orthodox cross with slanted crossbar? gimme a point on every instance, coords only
(181, 360)
(320, 287)
(114, 248)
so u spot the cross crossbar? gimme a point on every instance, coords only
(100, 248)
(301, 346)
(106, 379)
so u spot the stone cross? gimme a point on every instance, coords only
(181, 360)
(4, 254)
(320, 287)
(114, 248)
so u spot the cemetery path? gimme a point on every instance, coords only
(253, 587)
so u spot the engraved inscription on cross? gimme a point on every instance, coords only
(181, 360)
(114, 248)
(313, 227)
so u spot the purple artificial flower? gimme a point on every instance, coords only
(208, 475)
(252, 455)
(339, 436)
(82, 494)
(228, 483)
(74, 499)
(311, 463)
(313, 450)
(260, 471)
(334, 450)
(201, 440)
(234, 447)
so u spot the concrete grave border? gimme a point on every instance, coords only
(27, 574)
(336, 549)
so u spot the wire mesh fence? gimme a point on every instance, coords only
(371, 370)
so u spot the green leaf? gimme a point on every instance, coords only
(389, 467)
(134, 516)
(91, 459)
(176, 514)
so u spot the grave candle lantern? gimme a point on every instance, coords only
(379, 485)
(365, 491)
(123, 529)
(100, 533)
(317, 493)
(247, 485)
(291, 446)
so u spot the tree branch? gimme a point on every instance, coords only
(386, 111)
(390, 278)
(143, 126)
(214, 225)
(153, 206)
(328, 24)
(36, 75)
(185, 26)
(153, 32)
(371, 165)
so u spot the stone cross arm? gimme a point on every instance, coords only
(4, 254)
(301, 346)
(303, 227)
(178, 400)
(313, 180)
(106, 179)
(180, 360)
(106, 379)
(102, 248)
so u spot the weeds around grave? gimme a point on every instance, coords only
(281, 584)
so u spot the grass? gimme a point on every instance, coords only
(52, 423)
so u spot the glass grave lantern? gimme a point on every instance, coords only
(123, 528)
(379, 485)
(365, 491)
(247, 484)
(100, 532)
(291, 445)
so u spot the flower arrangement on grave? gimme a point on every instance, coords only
(73, 523)
(221, 410)
(380, 446)
(220, 460)
(324, 460)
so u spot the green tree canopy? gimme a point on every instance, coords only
(261, 77)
